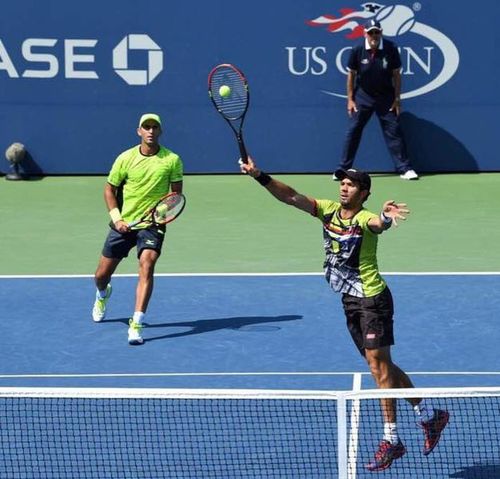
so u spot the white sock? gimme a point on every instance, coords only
(424, 410)
(391, 432)
(101, 294)
(138, 317)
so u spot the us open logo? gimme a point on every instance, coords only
(121, 59)
(396, 21)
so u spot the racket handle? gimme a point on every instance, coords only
(243, 150)
(134, 223)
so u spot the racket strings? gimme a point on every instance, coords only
(168, 209)
(234, 105)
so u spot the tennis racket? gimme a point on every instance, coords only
(164, 211)
(228, 90)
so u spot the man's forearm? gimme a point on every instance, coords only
(281, 191)
(350, 85)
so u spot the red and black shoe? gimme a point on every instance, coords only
(386, 453)
(433, 429)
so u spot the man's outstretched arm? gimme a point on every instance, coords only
(279, 190)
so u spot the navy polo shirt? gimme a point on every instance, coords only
(374, 71)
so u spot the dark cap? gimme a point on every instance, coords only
(372, 25)
(364, 180)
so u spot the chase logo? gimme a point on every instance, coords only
(76, 59)
(424, 72)
(121, 59)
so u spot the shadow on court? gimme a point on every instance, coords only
(426, 141)
(478, 472)
(238, 323)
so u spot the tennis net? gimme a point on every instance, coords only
(169, 433)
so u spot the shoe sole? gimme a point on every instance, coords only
(385, 466)
(98, 319)
(135, 342)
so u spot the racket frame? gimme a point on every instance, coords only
(151, 211)
(238, 131)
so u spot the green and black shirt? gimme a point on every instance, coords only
(351, 251)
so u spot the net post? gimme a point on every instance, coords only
(342, 435)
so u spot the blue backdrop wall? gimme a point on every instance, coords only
(75, 76)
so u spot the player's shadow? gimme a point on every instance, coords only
(432, 148)
(478, 472)
(242, 323)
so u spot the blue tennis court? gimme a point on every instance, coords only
(223, 325)
(280, 332)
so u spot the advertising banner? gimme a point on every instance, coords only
(76, 76)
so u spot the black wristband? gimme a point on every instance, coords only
(263, 178)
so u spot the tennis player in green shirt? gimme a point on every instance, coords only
(138, 178)
(350, 235)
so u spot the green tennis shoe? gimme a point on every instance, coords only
(99, 310)
(134, 333)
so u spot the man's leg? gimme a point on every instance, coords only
(394, 140)
(357, 123)
(387, 376)
(147, 262)
(116, 247)
(104, 271)
(102, 279)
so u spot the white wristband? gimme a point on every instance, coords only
(115, 215)
(385, 219)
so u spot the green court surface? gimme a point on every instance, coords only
(57, 225)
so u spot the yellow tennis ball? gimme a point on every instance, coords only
(161, 211)
(224, 91)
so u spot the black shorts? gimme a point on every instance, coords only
(118, 245)
(369, 320)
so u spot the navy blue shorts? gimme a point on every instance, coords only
(369, 320)
(118, 245)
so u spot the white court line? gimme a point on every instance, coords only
(227, 374)
(140, 375)
(133, 275)
(352, 454)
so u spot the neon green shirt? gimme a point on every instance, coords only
(351, 251)
(145, 179)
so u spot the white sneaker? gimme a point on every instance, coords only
(334, 178)
(134, 333)
(409, 175)
(99, 310)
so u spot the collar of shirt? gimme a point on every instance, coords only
(380, 45)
